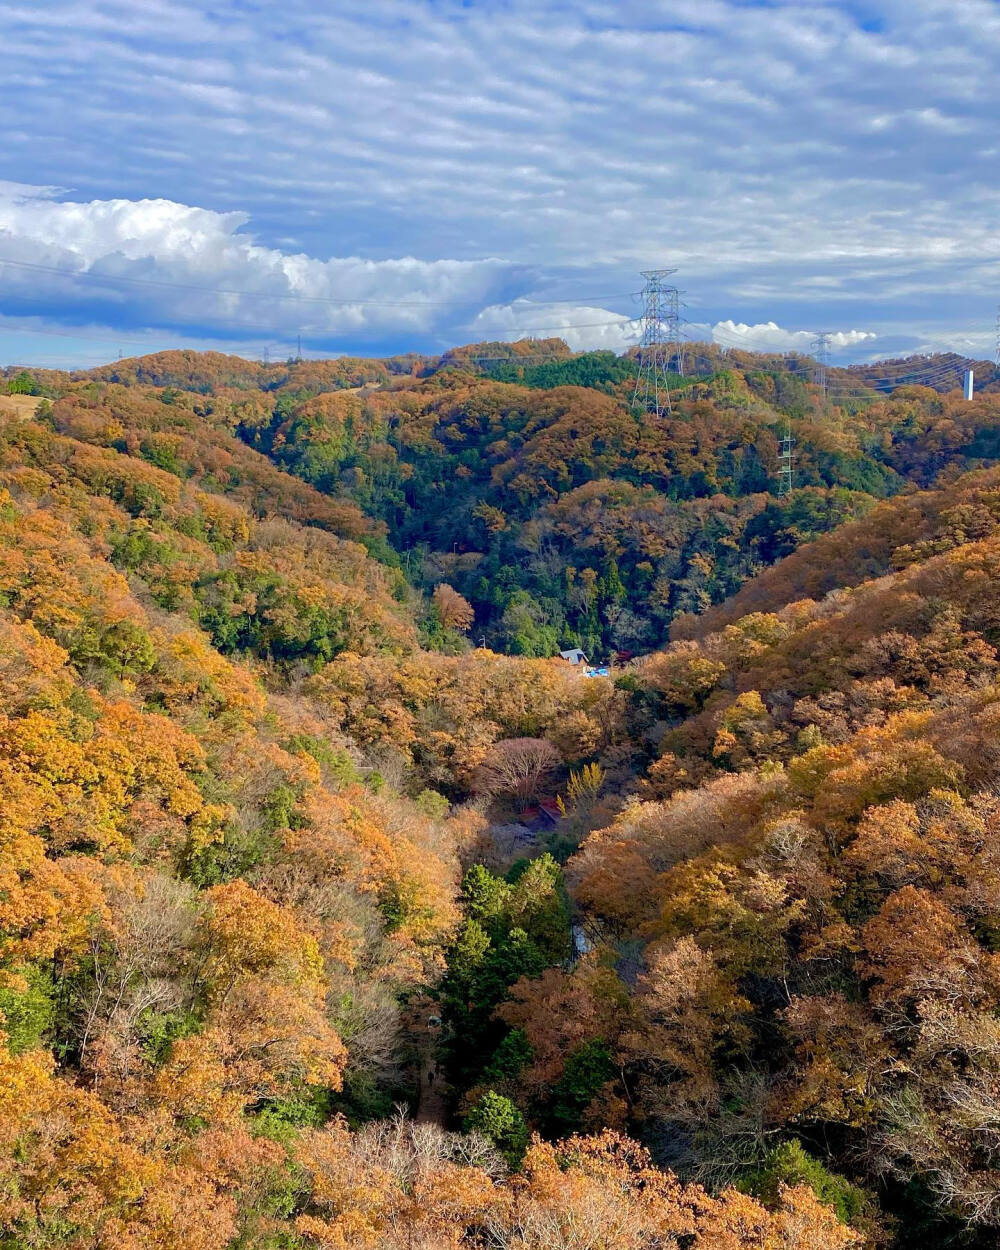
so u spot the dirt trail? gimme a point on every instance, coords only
(432, 1107)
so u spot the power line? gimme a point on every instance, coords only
(670, 316)
(661, 337)
(904, 378)
(838, 389)
(229, 323)
(920, 378)
(269, 329)
(917, 378)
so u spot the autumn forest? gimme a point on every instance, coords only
(339, 912)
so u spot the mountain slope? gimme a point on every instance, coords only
(813, 877)
(562, 516)
(268, 865)
(227, 892)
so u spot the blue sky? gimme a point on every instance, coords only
(409, 174)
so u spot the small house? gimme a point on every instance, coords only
(573, 656)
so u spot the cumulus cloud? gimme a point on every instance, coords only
(583, 327)
(770, 337)
(176, 265)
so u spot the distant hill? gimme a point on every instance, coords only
(518, 473)
(942, 371)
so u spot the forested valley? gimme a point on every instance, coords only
(338, 911)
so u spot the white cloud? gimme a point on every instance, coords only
(172, 264)
(583, 327)
(769, 337)
(21, 191)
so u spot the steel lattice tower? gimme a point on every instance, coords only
(787, 443)
(659, 342)
(996, 359)
(821, 349)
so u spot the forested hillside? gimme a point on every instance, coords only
(519, 474)
(322, 926)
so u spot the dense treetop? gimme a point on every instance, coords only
(520, 475)
(282, 851)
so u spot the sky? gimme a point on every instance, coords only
(406, 175)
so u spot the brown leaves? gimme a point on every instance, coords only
(454, 611)
(245, 934)
(684, 1009)
(917, 949)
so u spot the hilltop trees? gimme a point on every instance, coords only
(23, 384)
(557, 513)
(534, 493)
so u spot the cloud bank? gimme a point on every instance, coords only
(174, 265)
